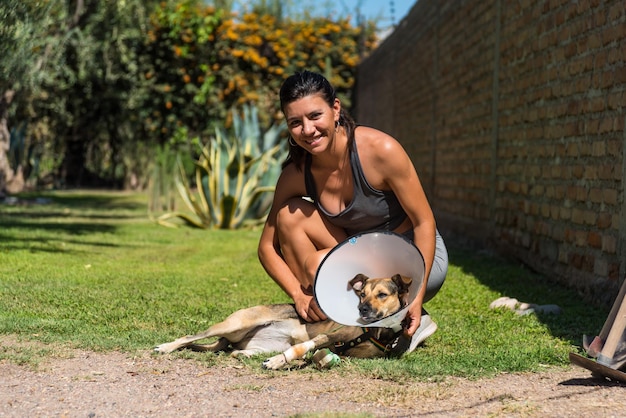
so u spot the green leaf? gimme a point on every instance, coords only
(234, 169)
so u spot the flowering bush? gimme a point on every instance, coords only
(202, 62)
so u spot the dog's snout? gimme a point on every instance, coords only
(365, 309)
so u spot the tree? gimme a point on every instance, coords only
(70, 70)
(91, 88)
(81, 114)
(24, 53)
(206, 61)
(102, 91)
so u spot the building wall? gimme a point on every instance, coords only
(513, 114)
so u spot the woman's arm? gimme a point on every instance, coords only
(392, 169)
(269, 247)
(289, 186)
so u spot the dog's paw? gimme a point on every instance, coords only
(242, 354)
(399, 347)
(275, 363)
(166, 348)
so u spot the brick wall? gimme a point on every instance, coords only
(513, 113)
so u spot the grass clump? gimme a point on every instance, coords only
(88, 270)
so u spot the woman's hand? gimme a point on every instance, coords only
(413, 319)
(307, 308)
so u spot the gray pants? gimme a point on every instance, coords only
(439, 269)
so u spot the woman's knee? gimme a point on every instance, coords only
(299, 216)
(293, 214)
(438, 271)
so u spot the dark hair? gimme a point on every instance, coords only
(307, 83)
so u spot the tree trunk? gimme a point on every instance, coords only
(8, 179)
(73, 164)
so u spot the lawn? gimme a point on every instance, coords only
(89, 270)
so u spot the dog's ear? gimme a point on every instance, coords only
(403, 282)
(358, 282)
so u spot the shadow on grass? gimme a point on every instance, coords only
(49, 245)
(514, 280)
(61, 213)
(77, 200)
(50, 218)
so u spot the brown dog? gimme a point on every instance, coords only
(278, 328)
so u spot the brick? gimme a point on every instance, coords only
(585, 149)
(588, 262)
(607, 172)
(607, 124)
(609, 244)
(615, 100)
(595, 195)
(591, 172)
(594, 239)
(590, 217)
(576, 260)
(572, 192)
(577, 216)
(601, 267)
(580, 238)
(557, 232)
(617, 171)
(604, 220)
(555, 212)
(609, 35)
(598, 149)
(578, 171)
(614, 148)
(609, 196)
(595, 105)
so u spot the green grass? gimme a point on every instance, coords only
(89, 270)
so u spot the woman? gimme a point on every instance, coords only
(359, 179)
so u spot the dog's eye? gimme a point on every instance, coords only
(362, 294)
(382, 295)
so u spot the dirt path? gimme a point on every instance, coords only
(90, 384)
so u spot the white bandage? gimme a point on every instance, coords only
(299, 350)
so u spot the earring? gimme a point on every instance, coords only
(292, 142)
(337, 126)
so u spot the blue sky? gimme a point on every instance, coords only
(381, 10)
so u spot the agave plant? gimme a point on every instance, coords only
(234, 176)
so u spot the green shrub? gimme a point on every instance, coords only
(234, 176)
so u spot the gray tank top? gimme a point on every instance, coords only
(370, 209)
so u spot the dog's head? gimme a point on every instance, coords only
(380, 297)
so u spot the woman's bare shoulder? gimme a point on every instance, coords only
(376, 142)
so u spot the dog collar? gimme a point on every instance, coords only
(368, 335)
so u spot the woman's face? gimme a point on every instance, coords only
(311, 122)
